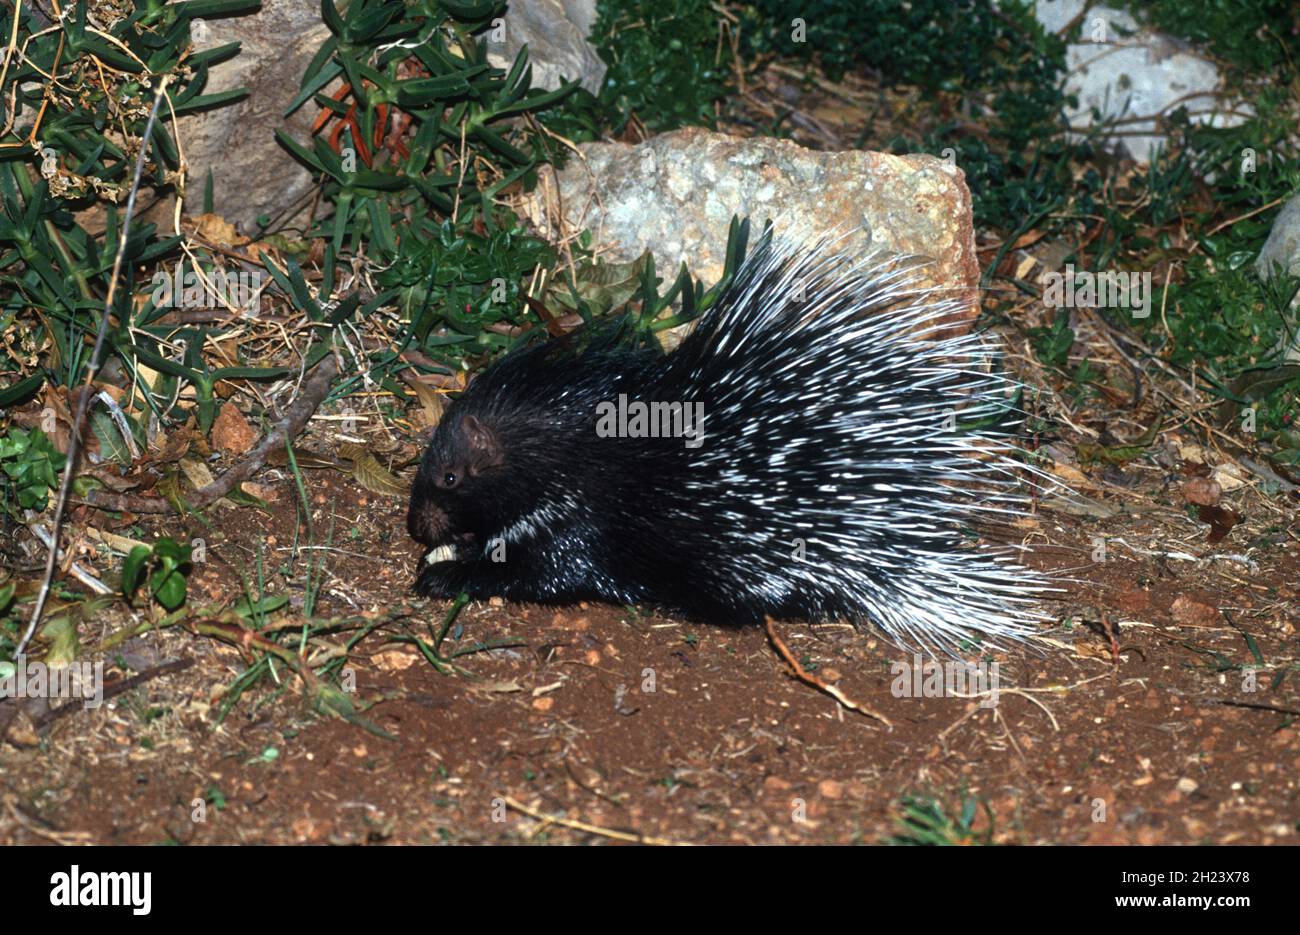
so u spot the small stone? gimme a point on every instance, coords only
(1189, 611)
(831, 789)
(1202, 491)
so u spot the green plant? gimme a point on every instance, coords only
(913, 41)
(439, 88)
(414, 156)
(32, 465)
(630, 299)
(924, 821)
(75, 101)
(1013, 188)
(1237, 332)
(1257, 35)
(998, 106)
(1053, 342)
(464, 283)
(667, 64)
(162, 567)
(425, 138)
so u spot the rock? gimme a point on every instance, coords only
(1202, 491)
(252, 174)
(1188, 610)
(231, 433)
(676, 193)
(555, 32)
(1283, 245)
(1126, 71)
(831, 789)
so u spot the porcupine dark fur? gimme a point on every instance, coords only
(831, 482)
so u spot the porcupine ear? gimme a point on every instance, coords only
(484, 446)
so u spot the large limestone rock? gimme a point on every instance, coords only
(675, 195)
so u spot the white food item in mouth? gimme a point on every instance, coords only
(443, 553)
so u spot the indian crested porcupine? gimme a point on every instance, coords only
(806, 452)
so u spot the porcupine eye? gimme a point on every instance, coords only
(449, 480)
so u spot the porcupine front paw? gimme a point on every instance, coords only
(440, 575)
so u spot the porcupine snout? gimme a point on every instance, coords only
(425, 521)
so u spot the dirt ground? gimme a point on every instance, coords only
(604, 724)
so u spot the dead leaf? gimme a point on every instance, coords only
(216, 229)
(196, 472)
(259, 249)
(261, 491)
(433, 404)
(370, 474)
(176, 444)
(393, 660)
(1028, 239)
(1220, 519)
(113, 540)
(1190, 611)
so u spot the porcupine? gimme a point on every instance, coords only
(831, 477)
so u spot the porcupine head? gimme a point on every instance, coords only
(458, 474)
(503, 497)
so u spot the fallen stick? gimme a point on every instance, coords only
(628, 836)
(112, 689)
(314, 389)
(805, 676)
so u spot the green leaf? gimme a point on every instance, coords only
(539, 101)
(328, 72)
(23, 389)
(261, 607)
(252, 373)
(469, 10)
(214, 55)
(170, 550)
(133, 567)
(365, 27)
(329, 14)
(204, 101)
(110, 54)
(420, 91)
(111, 444)
(379, 181)
(299, 151)
(169, 589)
(201, 9)
(294, 284)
